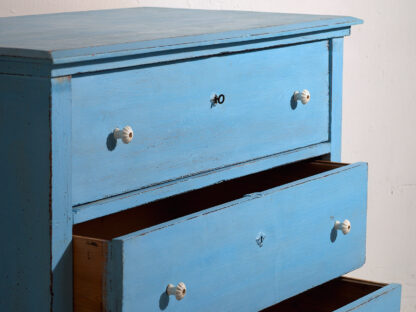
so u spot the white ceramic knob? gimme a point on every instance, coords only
(179, 291)
(303, 96)
(345, 226)
(125, 134)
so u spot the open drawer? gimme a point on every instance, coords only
(240, 245)
(342, 295)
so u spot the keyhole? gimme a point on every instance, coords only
(260, 239)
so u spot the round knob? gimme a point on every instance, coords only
(179, 291)
(303, 96)
(125, 134)
(345, 226)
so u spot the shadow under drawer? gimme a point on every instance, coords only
(237, 245)
(344, 294)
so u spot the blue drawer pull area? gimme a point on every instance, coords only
(184, 130)
(212, 237)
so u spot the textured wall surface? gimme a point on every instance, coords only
(379, 116)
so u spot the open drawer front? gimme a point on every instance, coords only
(342, 295)
(243, 244)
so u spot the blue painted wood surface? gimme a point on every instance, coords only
(181, 54)
(336, 47)
(36, 196)
(39, 67)
(214, 252)
(177, 131)
(25, 211)
(386, 299)
(60, 205)
(91, 35)
(118, 203)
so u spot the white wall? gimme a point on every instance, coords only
(379, 114)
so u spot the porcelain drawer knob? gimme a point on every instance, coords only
(125, 134)
(179, 291)
(303, 96)
(345, 226)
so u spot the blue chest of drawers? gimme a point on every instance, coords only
(180, 160)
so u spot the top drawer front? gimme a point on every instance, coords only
(176, 130)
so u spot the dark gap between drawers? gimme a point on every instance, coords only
(327, 297)
(144, 216)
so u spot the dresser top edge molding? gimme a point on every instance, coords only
(64, 38)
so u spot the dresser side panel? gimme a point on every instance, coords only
(25, 194)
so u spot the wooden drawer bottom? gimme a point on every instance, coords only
(344, 294)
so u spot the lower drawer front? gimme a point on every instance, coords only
(232, 251)
(343, 295)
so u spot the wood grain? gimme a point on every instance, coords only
(344, 294)
(152, 214)
(206, 239)
(91, 35)
(109, 48)
(90, 260)
(114, 204)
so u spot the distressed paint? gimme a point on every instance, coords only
(336, 46)
(25, 212)
(178, 133)
(61, 208)
(297, 219)
(35, 219)
(386, 299)
(39, 67)
(36, 161)
(98, 34)
(114, 204)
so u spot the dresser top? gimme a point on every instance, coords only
(81, 36)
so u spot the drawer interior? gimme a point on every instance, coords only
(328, 297)
(144, 216)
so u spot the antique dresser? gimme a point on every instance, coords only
(179, 160)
